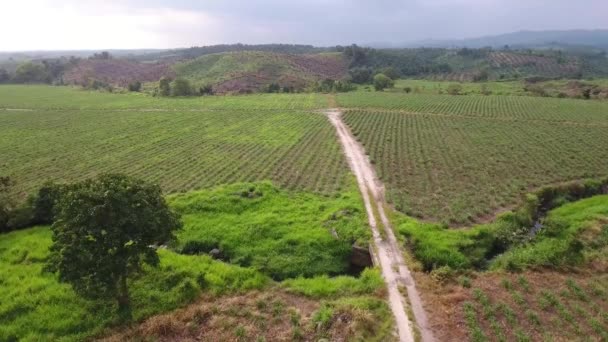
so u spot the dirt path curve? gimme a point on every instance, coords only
(388, 254)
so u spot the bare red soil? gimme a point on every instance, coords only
(118, 72)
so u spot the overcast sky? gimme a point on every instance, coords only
(129, 24)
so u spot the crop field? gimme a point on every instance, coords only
(536, 307)
(50, 98)
(183, 149)
(497, 107)
(448, 164)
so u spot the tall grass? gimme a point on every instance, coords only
(282, 234)
(369, 282)
(36, 307)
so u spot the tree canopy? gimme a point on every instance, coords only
(105, 230)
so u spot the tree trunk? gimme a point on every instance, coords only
(124, 301)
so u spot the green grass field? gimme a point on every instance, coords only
(497, 107)
(460, 159)
(281, 234)
(209, 141)
(36, 307)
(53, 98)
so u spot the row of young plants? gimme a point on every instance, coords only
(504, 107)
(517, 309)
(69, 98)
(182, 151)
(460, 170)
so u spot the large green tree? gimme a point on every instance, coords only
(105, 230)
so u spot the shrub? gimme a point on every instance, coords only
(20, 218)
(206, 90)
(181, 87)
(407, 90)
(443, 274)
(43, 203)
(164, 86)
(382, 82)
(273, 88)
(135, 86)
(322, 317)
(454, 89)
(94, 84)
(198, 247)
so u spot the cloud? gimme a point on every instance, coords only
(96, 24)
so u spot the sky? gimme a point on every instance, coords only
(135, 24)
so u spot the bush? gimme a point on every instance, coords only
(181, 87)
(20, 218)
(443, 274)
(195, 247)
(382, 82)
(43, 203)
(454, 89)
(407, 90)
(273, 88)
(135, 86)
(94, 84)
(164, 86)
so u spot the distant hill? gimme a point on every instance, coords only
(528, 39)
(197, 51)
(251, 71)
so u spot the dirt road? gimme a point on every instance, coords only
(387, 251)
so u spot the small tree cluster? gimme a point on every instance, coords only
(454, 89)
(134, 86)
(273, 88)
(382, 82)
(181, 87)
(332, 86)
(30, 72)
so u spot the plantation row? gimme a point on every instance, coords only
(179, 150)
(45, 97)
(551, 309)
(538, 63)
(460, 169)
(509, 107)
